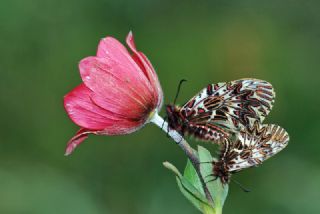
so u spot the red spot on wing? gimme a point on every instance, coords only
(191, 103)
(216, 87)
(201, 110)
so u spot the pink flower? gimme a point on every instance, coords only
(119, 94)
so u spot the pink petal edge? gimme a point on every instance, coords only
(75, 141)
(147, 67)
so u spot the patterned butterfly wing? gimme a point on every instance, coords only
(253, 147)
(224, 108)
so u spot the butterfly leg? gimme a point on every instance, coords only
(168, 130)
(216, 177)
(164, 120)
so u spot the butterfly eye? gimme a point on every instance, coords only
(170, 109)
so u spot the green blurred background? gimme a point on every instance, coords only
(204, 42)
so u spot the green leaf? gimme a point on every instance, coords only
(192, 176)
(190, 189)
(217, 190)
(196, 198)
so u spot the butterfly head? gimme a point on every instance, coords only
(174, 117)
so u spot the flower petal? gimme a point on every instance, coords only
(74, 142)
(119, 128)
(84, 112)
(115, 54)
(148, 69)
(109, 47)
(112, 50)
(115, 88)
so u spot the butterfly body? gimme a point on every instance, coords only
(180, 121)
(222, 109)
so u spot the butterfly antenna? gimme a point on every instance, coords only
(241, 186)
(178, 90)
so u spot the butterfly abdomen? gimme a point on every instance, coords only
(206, 132)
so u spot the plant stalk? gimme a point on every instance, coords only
(184, 145)
(209, 210)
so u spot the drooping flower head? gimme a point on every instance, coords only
(119, 93)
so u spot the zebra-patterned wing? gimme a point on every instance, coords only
(228, 107)
(253, 147)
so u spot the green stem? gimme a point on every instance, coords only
(217, 209)
(210, 210)
(159, 121)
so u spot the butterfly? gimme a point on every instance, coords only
(250, 148)
(222, 109)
